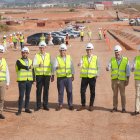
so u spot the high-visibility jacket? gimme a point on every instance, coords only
(15, 39)
(82, 33)
(23, 74)
(119, 71)
(3, 65)
(42, 38)
(89, 34)
(89, 69)
(21, 38)
(64, 69)
(4, 41)
(46, 66)
(11, 39)
(137, 68)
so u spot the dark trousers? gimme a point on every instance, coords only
(64, 82)
(24, 88)
(42, 82)
(84, 84)
(21, 44)
(82, 38)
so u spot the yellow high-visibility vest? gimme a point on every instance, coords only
(3, 65)
(137, 68)
(42, 38)
(22, 74)
(46, 67)
(15, 39)
(89, 70)
(119, 71)
(64, 69)
(4, 41)
(82, 33)
(21, 38)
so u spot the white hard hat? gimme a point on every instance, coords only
(89, 46)
(63, 47)
(117, 48)
(139, 47)
(4, 36)
(2, 49)
(42, 44)
(25, 49)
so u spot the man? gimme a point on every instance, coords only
(65, 75)
(89, 35)
(21, 40)
(100, 33)
(82, 35)
(120, 72)
(43, 70)
(15, 40)
(5, 42)
(136, 69)
(89, 71)
(25, 79)
(4, 80)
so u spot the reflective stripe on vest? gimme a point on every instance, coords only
(22, 74)
(3, 70)
(89, 70)
(46, 67)
(64, 67)
(137, 68)
(119, 71)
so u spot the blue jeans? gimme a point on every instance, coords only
(64, 82)
(24, 88)
(42, 82)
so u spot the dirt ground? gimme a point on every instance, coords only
(100, 124)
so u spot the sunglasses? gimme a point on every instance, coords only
(25, 52)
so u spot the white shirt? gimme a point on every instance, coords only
(7, 75)
(55, 65)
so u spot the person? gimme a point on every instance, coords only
(5, 42)
(15, 40)
(42, 64)
(64, 68)
(4, 80)
(120, 72)
(50, 39)
(67, 39)
(25, 78)
(42, 38)
(89, 72)
(11, 41)
(89, 35)
(100, 33)
(136, 69)
(21, 40)
(82, 35)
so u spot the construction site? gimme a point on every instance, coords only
(100, 124)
